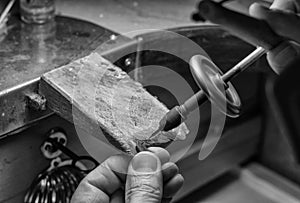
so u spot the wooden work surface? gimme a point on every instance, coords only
(28, 51)
(95, 94)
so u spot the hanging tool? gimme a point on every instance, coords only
(209, 77)
(74, 157)
(58, 182)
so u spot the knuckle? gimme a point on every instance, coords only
(145, 191)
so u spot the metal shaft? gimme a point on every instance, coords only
(243, 64)
(199, 98)
(179, 113)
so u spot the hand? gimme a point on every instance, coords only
(284, 19)
(149, 178)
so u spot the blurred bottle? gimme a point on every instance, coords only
(38, 41)
(37, 11)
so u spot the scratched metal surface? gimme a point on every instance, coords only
(28, 51)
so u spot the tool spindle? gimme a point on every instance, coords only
(179, 113)
(215, 86)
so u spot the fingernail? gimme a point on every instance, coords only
(144, 162)
(258, 10)
(260, 6)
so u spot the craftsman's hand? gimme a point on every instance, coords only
(151, 179)
(283, 17)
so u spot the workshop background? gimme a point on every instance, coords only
(253, 162)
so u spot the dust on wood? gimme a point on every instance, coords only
(94, 94)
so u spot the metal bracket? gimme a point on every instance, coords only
(36, 101)
(47, 148)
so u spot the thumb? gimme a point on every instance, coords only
(284, 23)
(144, 179)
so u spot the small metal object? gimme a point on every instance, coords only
(74, 157)
(55, 145)
(36, 101)
(48, 150)
(140, 146)
(128, 62)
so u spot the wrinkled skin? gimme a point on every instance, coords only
(118, 179)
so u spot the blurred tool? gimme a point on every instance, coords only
(213, 84)
(37, 11)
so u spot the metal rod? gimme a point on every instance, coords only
(243, 64)
(64, 149)
(137, 70)
(199, 98)
(178, 114)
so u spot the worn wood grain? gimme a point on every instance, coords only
(95, 94)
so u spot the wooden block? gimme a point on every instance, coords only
(94, 94)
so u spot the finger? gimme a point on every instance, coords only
(161, 153)
(87, 193)
(109, 176)
(118, 197)
(169, 170)
(173, 186)
(144, 180)
(283, 23)
(281, 56)
(103, 181)
(285, 5)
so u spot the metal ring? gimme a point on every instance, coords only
(208, 77)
